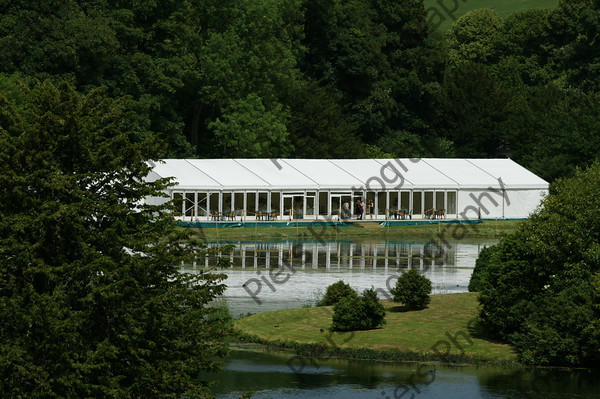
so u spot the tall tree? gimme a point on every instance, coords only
(92, 300)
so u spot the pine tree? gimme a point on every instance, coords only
(92, 299)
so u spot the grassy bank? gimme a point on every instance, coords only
(446, 231)
(444, 332)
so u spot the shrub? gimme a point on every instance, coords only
(412, 289)
(539, 288)
(336, 292)
(355, 312)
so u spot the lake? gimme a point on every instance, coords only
(283, 375)
(303, 269)
(288, 274)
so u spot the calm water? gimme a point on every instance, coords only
(283, 375)
(291, 274)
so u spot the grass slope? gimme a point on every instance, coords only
(449, 232)
(503, 7)
(441, 331)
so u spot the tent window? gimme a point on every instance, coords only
(214, 202)
(177, 204)
(381, 202)
(323, 203)
(405, 200)
(275, 201)
(227, 202)
(262, 202)
(393, 200)
(190, 201)
(239, 201)
(439, 200)
(251, 204)
(417, 202)
(202, 204)
(428, 200)
(451, 202)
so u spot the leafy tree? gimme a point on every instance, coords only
(354, 312)
(538, 288)
(92, 300)
(476, 108)
(412, 289)
(336, 292)
(248, 130)
(473, 37)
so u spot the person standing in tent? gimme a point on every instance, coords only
(345, 210)
(370, 205)
(359, 209)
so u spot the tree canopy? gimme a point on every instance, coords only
(326, 78)
(539, 288)
(92, 299)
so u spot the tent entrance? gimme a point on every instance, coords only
(293, 206)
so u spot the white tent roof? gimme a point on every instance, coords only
(345, 174)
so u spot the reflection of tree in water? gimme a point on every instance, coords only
(539, 383)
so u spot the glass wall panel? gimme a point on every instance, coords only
(323, 203)
(417, 195)
(202, 204)
(336, 205)
(428, 200)
(177, 204)
(214, 202)
(405, 200)
(439, 200)
(346, 207)
(275, 201)
(298, 207)
(451, 202)
(251, 204)
(310, 206)
(227, 202)
(381, 203)
(262, 202)
(190, 201)
(370, 204)
(287, 206)
(239, 203)
(394, 201)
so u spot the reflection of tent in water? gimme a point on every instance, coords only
(348, 255)
(284, 189)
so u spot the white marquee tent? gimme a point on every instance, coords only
(284, 189)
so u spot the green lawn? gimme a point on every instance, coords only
(503, 7)
(428, 332)
(449, 232)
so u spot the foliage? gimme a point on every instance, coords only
(412, 289)
(539, 286)
(92, 300)
(354, 312)
(336, 292)
(327, 78)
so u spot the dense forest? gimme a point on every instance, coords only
(325, 78)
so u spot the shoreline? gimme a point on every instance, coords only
(324, 352)
(444, 231)
(446, 332)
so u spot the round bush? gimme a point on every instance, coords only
(363, 312)
(412, 289)
(336, 292)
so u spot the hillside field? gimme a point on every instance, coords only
(458, 8)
